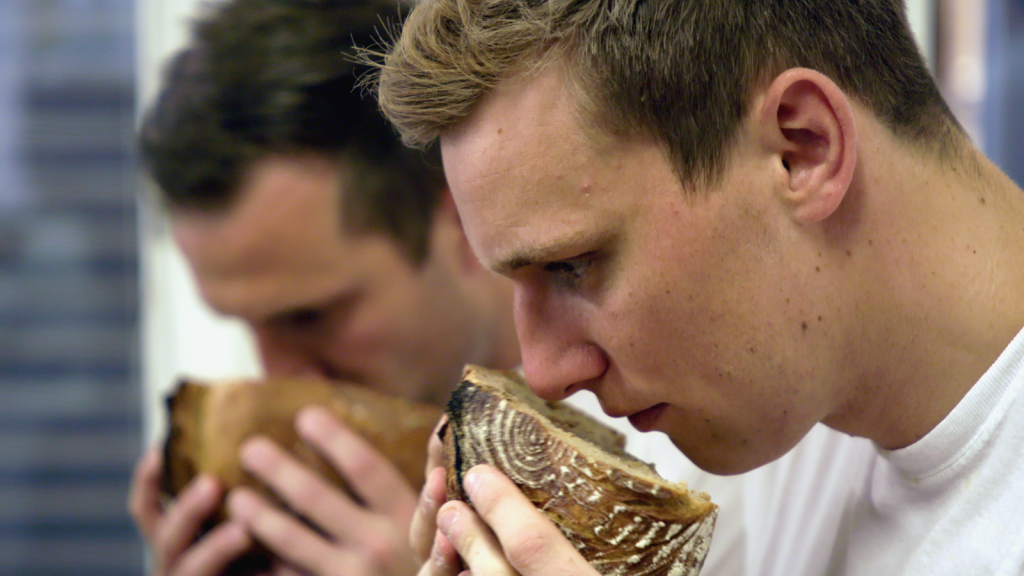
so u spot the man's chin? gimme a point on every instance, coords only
(720, 458)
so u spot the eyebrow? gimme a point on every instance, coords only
(518, 258)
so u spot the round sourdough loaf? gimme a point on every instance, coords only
(622, 517)
(208, 422)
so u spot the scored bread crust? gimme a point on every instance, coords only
(208, 422)
(622, 517)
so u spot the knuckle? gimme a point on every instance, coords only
(526, 550)
(272, 528)
(380, 552)
(361, 463)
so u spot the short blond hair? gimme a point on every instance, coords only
(681, 71)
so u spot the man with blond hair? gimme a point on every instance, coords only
(734, 220)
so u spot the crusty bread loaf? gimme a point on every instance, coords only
(208, 421)
(623, 517)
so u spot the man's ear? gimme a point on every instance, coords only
(810, 126)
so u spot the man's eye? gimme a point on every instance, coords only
(567, 273)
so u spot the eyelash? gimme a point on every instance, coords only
(568, 274)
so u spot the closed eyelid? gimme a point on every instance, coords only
(569, 273)
(524, 258)
(302, 316)
(313, 313)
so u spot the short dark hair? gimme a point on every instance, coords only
(264, 77)
(681, 71)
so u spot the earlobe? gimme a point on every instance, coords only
(812, 131)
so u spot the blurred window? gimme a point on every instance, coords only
(1005, 107)
(70, 424)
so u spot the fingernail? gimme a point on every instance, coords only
(206, 486)
(253, 451)
(311, 420)
(471, 483)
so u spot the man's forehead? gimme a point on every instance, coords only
(501, 160)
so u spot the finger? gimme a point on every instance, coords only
(474, 541)
(435, 447)
(443, 561)
(424, 520)
(370, 475)
(377, 543)
(305, 491)
(212, 555)
(286, 536)
(532, 543)
(183, 521)
(144, 496)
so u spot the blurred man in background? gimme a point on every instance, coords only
(301, 213)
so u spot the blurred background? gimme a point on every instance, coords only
(98, 315)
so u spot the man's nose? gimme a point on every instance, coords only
(284, 355)
(558, 357)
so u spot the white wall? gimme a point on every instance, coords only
(181, 335)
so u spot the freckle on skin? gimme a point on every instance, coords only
(848, 253)
(817, 268)
(871, 242)
(499, 130)
(819, 318)
(803, 326)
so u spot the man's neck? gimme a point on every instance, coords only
(944, 292)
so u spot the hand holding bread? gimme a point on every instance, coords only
(301, 482)
(559, 504)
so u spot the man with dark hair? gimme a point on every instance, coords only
(302, 213)
(733, 220)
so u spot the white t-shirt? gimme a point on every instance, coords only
(951, 504)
